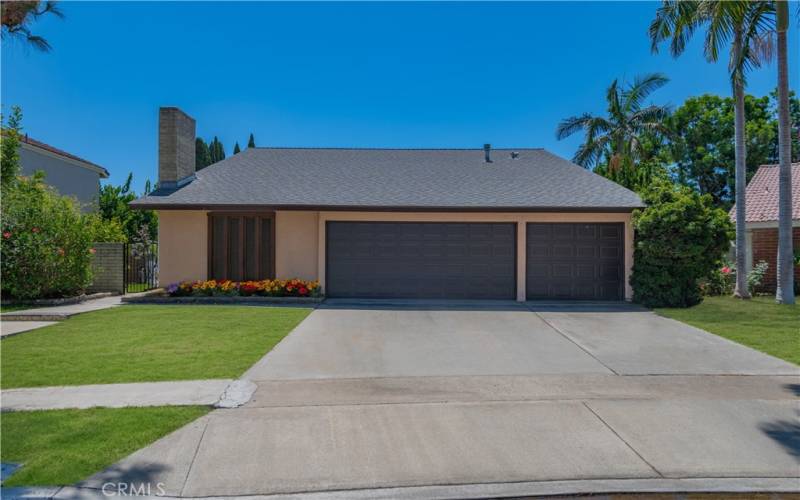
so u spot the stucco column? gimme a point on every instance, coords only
(521, 259)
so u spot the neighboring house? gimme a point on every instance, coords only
(393, 223)
(69, 174)
(761, 220)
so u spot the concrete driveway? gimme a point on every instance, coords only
(422, 401)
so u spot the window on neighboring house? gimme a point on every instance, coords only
(241, 246)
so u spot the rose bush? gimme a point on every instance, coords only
(263, 288)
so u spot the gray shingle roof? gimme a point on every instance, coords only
(396, 178)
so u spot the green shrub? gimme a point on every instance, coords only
(46, 245)
(721, 281)
(680, 239)
(756, 275)
(105, 230)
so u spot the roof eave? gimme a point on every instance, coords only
(136, 205)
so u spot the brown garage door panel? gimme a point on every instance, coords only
(575, 261)
(421, 260)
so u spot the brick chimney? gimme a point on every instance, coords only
(176, 136)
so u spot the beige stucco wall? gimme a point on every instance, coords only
(182, 245)
(296, 245)
(300, 239)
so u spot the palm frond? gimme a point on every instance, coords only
(641, 87)
(613, 100)
(722, 19)
(650, 114)
(753, 33)
(675, 21)
(597, 126)
(590, 153)
(572, 125)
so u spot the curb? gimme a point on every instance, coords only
(224, 300)
(662, 486)
(36, 317)
(68, 301)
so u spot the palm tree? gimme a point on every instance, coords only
(17, 17)
(743, 24)
(616, 144)
(784, 293)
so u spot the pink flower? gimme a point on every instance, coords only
(726, 270)
(7, 234)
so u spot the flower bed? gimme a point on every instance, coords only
(263, 288)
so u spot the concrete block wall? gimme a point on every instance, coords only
(108, 268)
(765, 247)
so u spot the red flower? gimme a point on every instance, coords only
(7, 234)
(92, 251)
(303, 290)
(726, 270)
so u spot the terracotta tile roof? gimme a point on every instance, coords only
(60, 152)
(762, 195)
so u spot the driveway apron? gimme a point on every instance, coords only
(369, 397)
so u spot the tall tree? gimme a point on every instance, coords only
(784, 293)
(701, 146)
(17, 16)
(251, 142)
(236, 148)
(616, 145)
(138, 225)
(217, 150)
(202, 155)
(739, 23)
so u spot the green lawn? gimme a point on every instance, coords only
(758, 323)
(139, 343)
(60, 447)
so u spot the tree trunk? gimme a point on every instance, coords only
(741, 290)
(785, 268)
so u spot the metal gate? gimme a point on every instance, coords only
(141, 267)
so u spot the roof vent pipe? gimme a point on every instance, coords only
(487, 150)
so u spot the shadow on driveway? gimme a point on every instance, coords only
(786, 433)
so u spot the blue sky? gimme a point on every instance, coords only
(332, 74)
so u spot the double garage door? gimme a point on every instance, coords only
(473, 260)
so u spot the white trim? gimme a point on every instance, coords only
(770, 224)
(83, 164)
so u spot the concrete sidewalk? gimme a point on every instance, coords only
(190, 392)
(11, 328)
(59, 313)
(457, 446)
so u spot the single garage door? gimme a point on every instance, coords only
(575, 261)
(421, 260)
